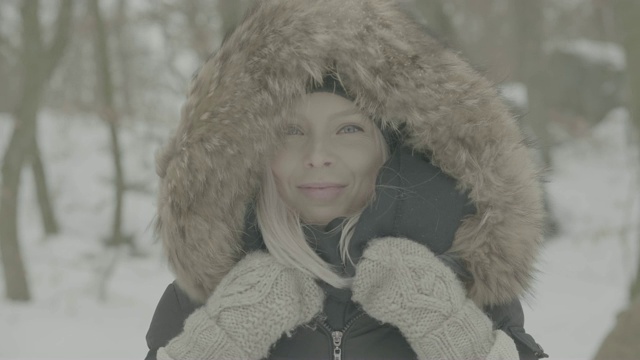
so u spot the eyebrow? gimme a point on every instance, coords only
(347, 112)
(339, 114)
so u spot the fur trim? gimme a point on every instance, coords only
(398, 74)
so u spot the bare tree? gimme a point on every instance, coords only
(9, 54)
(189, 27)
(622, 342)
(123, 56)
(627, 12)
(52, 58)
(438, 20)
(109, 113)
(38, 63)
(530, 60)
(230, 13)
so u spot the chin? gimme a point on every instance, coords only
(321, 219)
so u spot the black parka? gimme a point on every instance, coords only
(407, 206)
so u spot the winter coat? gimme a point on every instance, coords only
(449, 119)
(440, 205)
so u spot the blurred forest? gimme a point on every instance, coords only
(565, 64)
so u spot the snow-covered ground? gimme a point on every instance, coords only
(583, 282)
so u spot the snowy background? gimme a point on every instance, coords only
(585, 269)
(74, 313)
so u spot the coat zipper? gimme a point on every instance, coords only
(337, 335)
(337, 343)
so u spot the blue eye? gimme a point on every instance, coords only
(350, 129)
(293, 130)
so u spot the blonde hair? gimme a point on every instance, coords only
(284, 236)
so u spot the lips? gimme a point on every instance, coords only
(322, 191)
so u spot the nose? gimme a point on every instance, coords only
(318, 154)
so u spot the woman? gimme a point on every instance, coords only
(241, 135)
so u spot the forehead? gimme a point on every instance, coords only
(323, 105)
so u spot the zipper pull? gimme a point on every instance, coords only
(337, 342)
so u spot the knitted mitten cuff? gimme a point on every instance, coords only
(201, 338)
(503, 347)
(403, 283)
(467, 334)
(258, 301)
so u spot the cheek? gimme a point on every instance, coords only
(282, 168)
(366, 163)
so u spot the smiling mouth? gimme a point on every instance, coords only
(322, 191)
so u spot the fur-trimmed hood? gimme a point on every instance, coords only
(399, 75)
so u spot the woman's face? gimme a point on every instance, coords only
(328, 164)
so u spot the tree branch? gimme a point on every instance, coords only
(55, 50)
(31, 31)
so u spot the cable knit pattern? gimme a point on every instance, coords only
(403, 283)
(253, 306)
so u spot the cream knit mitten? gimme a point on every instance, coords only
(403, 283)
(258, 301)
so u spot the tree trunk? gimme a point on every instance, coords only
(531, 60)
(110, 116)
(124, 57)
(49, 61)
(117, 237)
(622, 342)
(14, 270)
(38, 64)
(438, 20)
(230, 12)
(16, 152)
(49, 221)
(627, 12)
